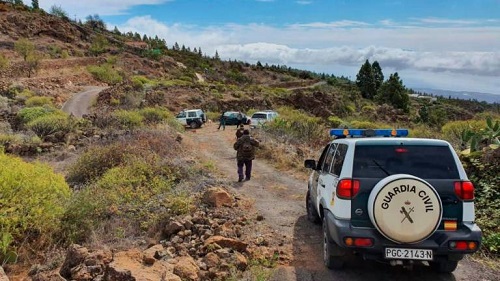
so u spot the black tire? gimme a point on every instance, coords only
(312, 213)
(330, 261)
(194, 125)
(444, 266)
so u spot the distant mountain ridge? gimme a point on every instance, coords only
(464, 95)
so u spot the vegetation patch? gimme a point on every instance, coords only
(30, 209)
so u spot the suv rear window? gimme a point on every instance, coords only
(427, 162)
(259, 116)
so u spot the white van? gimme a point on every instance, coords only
(261, 117)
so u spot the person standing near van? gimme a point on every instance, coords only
(222, 121)
(239, 117)
(245, 147)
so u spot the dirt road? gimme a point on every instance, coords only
(80, 103)
(280, 199)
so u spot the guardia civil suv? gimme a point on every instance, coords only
(387, 197)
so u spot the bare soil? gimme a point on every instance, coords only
(279, 197)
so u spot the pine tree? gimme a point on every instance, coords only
(378, 76)
(393, 92)
(34, 5)
(216, 55)
(365, 81)
(176, 47)
(116, 31)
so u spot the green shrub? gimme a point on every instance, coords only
(38, 101)
(24, 95)
(452, 131)
(95, 162)
(64, 54)
(51, 124)
(32, 201)
(4, 62)
(29, 114)
(128, 119)
(295, 126)
(335, 122)
(422, 131)
(366, 125)
(99, 45)
(105, 73)
(154, 115)
(139, 81)
(137, 191)
(483, 169)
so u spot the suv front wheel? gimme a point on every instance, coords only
(312, 214)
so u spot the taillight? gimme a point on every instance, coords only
(347, 188)
(358, 242)
(463, 245)
(464, 190)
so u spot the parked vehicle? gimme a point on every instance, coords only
(193, 118)
(394, 199)
(261, 117)
(232, 118)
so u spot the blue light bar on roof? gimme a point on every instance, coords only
(369, 132)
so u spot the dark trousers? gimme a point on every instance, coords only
(222, 124)
(248, 168)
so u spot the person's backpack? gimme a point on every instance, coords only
(247, 148)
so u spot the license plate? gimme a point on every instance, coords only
(408, 254)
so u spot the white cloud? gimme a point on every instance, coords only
(335, 24)
(304, 2)
(433, 56)
(455, 50)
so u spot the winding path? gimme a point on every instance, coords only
(79, 103)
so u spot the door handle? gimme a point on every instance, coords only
(321, 183)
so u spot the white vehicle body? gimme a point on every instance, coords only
(261, 117)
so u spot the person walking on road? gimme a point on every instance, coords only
(240, 119)
(222, 121)
(245, 147)
(239, 132)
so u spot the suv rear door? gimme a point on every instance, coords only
(432, 163)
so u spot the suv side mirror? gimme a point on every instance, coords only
(310, 164)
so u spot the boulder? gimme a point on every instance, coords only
(75, 255)
(211, 260)
(217, 197)
(172, 228)
(227, 243)
(129, 265)
(240, 261)
(187, 269)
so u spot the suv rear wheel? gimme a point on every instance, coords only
(194, 125)
(312, 214)
(329, 246)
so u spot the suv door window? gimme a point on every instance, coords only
(192, 114)
(319, 165)
(338, 159)
(181, 115)
(329, 158)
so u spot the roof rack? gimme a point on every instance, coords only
(342, 133)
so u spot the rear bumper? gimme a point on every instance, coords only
(438, 242)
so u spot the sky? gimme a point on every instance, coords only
(441, 44)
